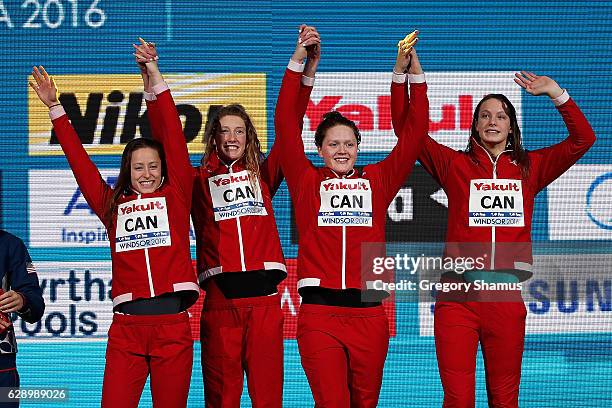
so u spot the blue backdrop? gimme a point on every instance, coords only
(568, 41)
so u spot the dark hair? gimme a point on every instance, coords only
(514, 143)
(331, 119)
(252, 151)
(124, 181)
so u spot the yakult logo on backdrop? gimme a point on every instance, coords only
(364, 97)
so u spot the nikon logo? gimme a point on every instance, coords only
(134, 120)
(107, 111)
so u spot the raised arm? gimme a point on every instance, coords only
(94, 188)
(153, 114)
(397, 166)
(288, 118)
(405, 54)
(165, 122)
(550, 162)
(311, 40)
(434, 157)
(272, 166)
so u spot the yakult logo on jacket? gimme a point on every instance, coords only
(153, 204)
(494, 186)
(225, 180)
(451, 106)
(339, 185)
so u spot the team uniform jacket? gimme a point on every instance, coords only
(18, 273)
(238, 232)
(239, 242)
(329, 250)
(496, 181)
(148, 233)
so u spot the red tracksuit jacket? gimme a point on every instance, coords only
(481, 190)
(329, 249)
(148, 233)
(234, 226)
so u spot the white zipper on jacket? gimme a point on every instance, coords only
(146, 250)
(350, 173)
(344, 257)
(148, 263)
(493, 226)
(239, 227)
(494, 162)
(242, 263)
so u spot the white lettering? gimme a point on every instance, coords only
(4, 16)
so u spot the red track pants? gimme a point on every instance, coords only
(500, 328)
(138, 345)
(343, 353)
(238, 336)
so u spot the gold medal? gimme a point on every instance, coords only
(408, 41)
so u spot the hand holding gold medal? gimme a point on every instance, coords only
(404, 46)
(405, 52)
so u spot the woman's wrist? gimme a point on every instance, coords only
(399, 69)
(555, 93)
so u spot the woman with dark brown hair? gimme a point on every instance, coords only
(340, 212)
(491, 188)
(240, 261)
(146, 215)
